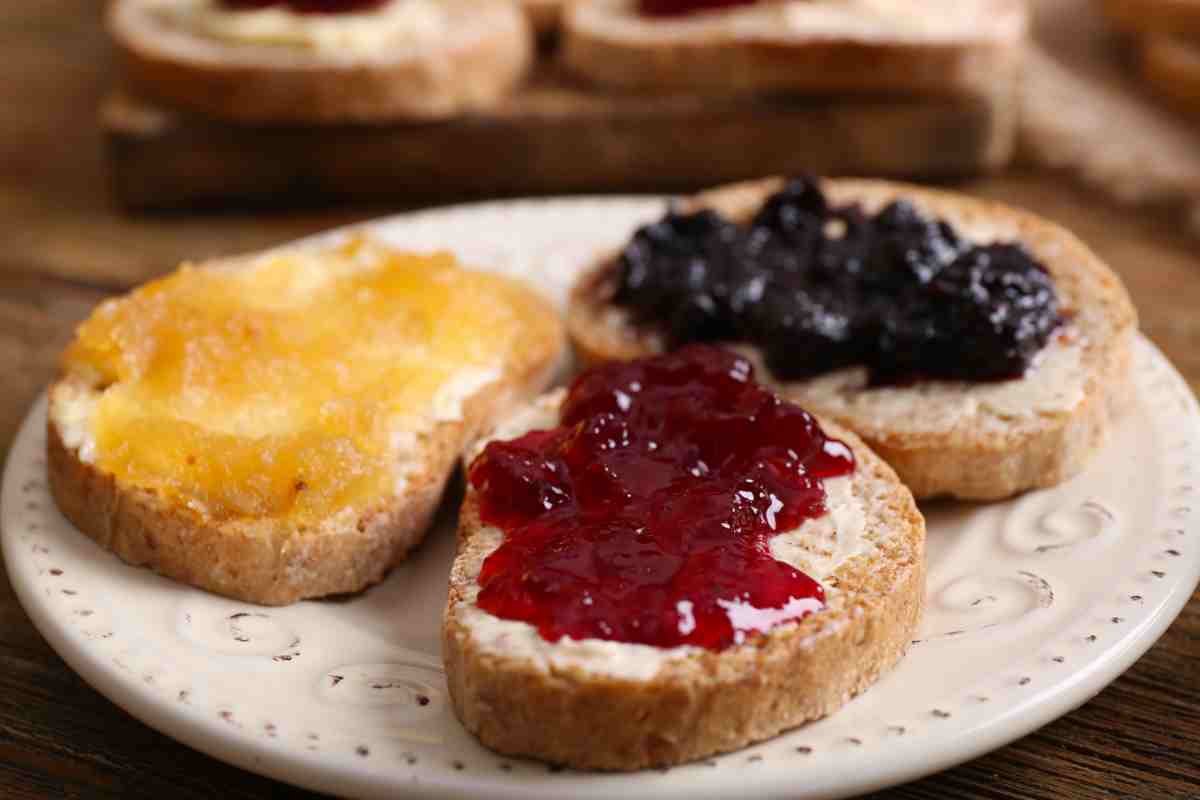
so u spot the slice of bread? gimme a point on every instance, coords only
(942, 47)
(1171, 65)
(972, 441)
(277, 558)
(474, 54)
(1155, 16)
(616, 706)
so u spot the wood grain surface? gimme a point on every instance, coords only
(65, 247)
(552, 136)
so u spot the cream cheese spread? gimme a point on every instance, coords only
(1054, 384)
(864, 20)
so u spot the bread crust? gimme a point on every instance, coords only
(939, 459)
(1155, 16)
(485, 57)
(1171, 65)
(792, 61)
(709, 702)
(276, 562)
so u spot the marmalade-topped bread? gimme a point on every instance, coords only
(981, 403)
(938, 47)
(281, 426)
(668, 561)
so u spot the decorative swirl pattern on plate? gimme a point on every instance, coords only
(1061, 528)
(409, 689)
(239, 633)
(978, 602)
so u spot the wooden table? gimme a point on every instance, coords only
(65, 247)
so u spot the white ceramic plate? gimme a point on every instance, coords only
(1034, 605)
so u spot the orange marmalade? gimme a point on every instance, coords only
(294, 386)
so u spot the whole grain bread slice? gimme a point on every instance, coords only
(276, 560)
(943, 47)
(483, 53)
(987, 455)
(552, 706)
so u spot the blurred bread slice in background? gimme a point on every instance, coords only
(941, 46)
(411, 60)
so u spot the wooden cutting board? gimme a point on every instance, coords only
(551, 137)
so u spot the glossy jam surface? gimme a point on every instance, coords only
(817, 287)
(645, 516)
(306, 6)
(279, 390)
(676, 8)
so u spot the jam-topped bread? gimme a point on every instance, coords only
(667, 561)
(809, 46)
(980, 350)
(281, 426)
(323, 61)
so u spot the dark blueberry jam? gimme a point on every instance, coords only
(675, 8)
(817, 287)
(645, 515)
(307, 6)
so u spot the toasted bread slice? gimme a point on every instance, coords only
(616, 706)
(198, 504)
(1155, 16)
(468, 56)
(944, 47)
(1171, 65)
(972, 441)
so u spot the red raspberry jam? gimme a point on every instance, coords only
(306, 6)
(676, 8)
(645, 515)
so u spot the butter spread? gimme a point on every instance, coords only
(883, 18)
(857, 19)
(397, 23)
